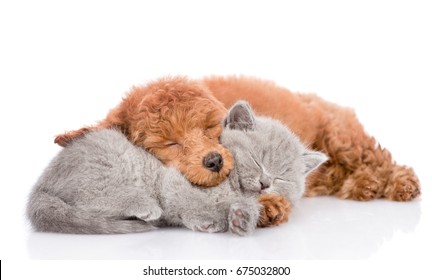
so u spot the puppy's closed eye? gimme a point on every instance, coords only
(172, 144)
(213, 132)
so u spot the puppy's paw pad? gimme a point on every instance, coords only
(368, 192)
(406, 192)
(275, 210)
(404, 185)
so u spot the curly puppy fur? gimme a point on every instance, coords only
(275, 211)
(358, 167)
(176, 119)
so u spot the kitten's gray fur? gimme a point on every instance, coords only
(102, 183)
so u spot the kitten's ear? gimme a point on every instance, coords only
(240, 116)
(313, 160)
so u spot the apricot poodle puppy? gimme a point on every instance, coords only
(358, 167)
(176, 119)
(179, 121)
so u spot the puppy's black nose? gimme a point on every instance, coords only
(213, 161)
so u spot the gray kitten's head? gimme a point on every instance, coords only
(269, 158)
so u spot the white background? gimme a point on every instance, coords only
(64, 64)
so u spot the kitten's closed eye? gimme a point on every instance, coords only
(280, 180)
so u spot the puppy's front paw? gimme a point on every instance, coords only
(67, 137)
(242, 219)
(275, 210)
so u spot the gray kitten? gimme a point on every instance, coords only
(102, 183)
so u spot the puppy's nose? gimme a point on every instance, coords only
(213, 161)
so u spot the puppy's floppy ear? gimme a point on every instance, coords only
(313, 160)
(240, 116)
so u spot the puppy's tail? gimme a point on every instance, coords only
(51, 214)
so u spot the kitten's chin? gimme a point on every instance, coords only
(268, 191)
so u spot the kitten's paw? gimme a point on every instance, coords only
(242, 219)
(211, 227)
(149, 214)
(275, 210)
(205, 222)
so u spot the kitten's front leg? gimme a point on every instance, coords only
(240, 216)
(275, 210)
(190, 206)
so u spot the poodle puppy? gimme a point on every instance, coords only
(358, 167)
(176, 119)
(179, 121)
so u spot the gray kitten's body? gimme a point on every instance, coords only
(102, 183)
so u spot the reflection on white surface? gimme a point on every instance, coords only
(319, 228)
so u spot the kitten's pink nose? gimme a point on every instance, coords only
(264, 186)
(265, 183)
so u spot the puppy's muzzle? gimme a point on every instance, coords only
(213, 161)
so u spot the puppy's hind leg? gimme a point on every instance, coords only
(376, 176)
(352, 169)
(403, 184)
(362, 185)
